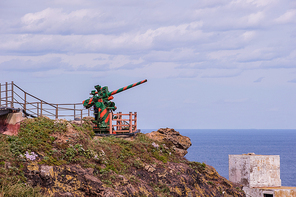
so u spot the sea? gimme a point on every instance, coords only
(212, 146)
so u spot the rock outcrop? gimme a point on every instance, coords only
(68, 180)
(181, 143)
(171, 179)
(63, 159)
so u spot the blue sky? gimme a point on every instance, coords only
(210, 64)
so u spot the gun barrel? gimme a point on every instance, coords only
(126, 87)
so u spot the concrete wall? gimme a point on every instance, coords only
(276, 192)
(10, 123)
(285, 192)
(252, 170)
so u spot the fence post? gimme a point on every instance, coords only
(88, 111)
(74, 111)
(81, 116)
(6, 93)
(57, 111)
(37, 109)
(41, 108)
(130, 122)
(110, 121)
(12, 92)
(135, 121)
(119, 122)
(25, 101)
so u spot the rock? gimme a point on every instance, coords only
(181, 152)
(66, 194)
(88, 118)
(150, 168)
(182, 143)
(64, 181)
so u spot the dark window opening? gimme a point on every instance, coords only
(268, 195)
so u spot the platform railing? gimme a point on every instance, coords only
(124, 123)
(11, 95)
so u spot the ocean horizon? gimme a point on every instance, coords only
(212, 146)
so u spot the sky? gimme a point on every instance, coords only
(210, 64)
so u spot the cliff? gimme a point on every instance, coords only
(60, 158)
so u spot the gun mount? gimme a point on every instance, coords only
(101, 100)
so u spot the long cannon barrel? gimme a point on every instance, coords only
(126, 87)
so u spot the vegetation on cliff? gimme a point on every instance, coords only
(61, 158)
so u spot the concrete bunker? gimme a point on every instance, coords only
(259, 175)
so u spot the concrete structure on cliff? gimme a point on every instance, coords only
(259, 174)
(10, 119)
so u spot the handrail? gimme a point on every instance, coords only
(11, 96)
(130, 123)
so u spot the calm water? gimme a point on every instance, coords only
(214, 146)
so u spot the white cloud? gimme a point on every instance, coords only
(219, 73)
(258, 80)
(81, 21)
(248, 35)
(210, 49)
(33, 65)
(255, 18)
(287, 17)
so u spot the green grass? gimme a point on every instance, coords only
(200, 167)
(107, 155)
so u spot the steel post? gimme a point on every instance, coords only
(6, 94)
(41, 108)
(12, 93)
(37, 109)
(135, 121)
(130, 122)
(57, 111)
(25, 101)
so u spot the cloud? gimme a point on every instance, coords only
(221, 73)
(182, 55)
(98, 67)
(259, 54)
(77, 22)
(132, 66)
(185, 74)
(287, 17)
(255, 18)
(33, 66)
(258, 80)
(210, 34)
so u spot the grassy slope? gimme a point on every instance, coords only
(59, 142)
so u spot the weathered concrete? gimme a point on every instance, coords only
(252, 170)
(10, 123)
(274, 191)
(259, 174)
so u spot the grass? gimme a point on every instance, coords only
(54, 144)
(200, 167)
(12, 179)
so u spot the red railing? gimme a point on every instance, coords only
(124, 123)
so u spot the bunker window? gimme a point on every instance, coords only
(268, 195)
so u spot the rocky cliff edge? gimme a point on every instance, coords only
(61, 158)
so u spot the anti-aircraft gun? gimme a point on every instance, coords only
(101, 100)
